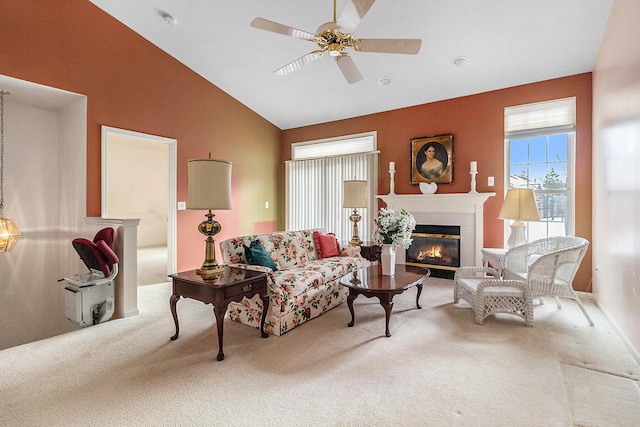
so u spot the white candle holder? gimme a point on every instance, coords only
(392, 184)
(473, 181)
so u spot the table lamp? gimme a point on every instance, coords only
(209, 189)
(519, 204)
(355, 196)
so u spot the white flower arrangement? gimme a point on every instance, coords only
(393, 229)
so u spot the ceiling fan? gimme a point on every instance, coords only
(335, 37)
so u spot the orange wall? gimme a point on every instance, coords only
(131, 84)
(478, 127)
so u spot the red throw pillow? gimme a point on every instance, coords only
(326, 244)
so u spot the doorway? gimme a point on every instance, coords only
(139, 181)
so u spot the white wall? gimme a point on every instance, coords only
(138, 183)
(73, 182)
(616, 167)
(44, 173)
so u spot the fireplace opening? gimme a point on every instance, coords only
(436, 247)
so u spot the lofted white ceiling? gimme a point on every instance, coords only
(506, 43)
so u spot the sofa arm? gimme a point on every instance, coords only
(349, 250)
(251, 267)
(270, 277)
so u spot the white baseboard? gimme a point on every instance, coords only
(634, 351)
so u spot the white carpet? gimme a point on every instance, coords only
(437, 369)
(152, 265)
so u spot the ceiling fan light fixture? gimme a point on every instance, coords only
(335, 49)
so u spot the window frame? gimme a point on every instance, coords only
(565, 126)
(326, 149)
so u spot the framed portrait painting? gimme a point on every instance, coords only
(432, 159)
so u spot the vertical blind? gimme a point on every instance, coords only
(315, 190)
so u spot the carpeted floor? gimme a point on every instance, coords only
(152, 265)
(437, 369)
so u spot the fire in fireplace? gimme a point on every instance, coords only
(436, 247)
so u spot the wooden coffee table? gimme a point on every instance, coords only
(370, 282)
(232, 285)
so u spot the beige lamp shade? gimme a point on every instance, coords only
(209, 184)
(355, 194)
(520, 204)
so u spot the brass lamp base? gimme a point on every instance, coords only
(355, 241)
(210, 268)
(210, 273)
(355, 218)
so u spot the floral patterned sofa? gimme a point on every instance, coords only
(304, 286)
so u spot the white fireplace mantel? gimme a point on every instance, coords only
(451, 209)
(453, 202)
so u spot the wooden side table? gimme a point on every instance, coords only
(370, 251)
(232, 285)
(495, 257)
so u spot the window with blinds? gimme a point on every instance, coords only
(314, 184)
(540, 154)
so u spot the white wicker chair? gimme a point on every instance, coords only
(489, 296)
(548, 266)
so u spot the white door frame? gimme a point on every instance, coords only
(171, 191)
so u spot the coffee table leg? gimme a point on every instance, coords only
(219, 312)
(419, 286)
(388, 306)
(350, 299)
(265, 307)
(173, 300)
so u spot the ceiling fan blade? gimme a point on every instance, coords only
(348, 68)
(265, 24)
(351, 15)
(403, 46)
(292, 66)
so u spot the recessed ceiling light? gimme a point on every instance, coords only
(460, 61)
(168, 18)
(383, 81)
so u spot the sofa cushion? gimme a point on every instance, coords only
(256, 254)
(295, 281)
(232, 250)
(315, 273)
(291, 248)
(326, 244)
(335, 267)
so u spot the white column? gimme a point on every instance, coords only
(125, 245)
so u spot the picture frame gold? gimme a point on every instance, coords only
(438, 150)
